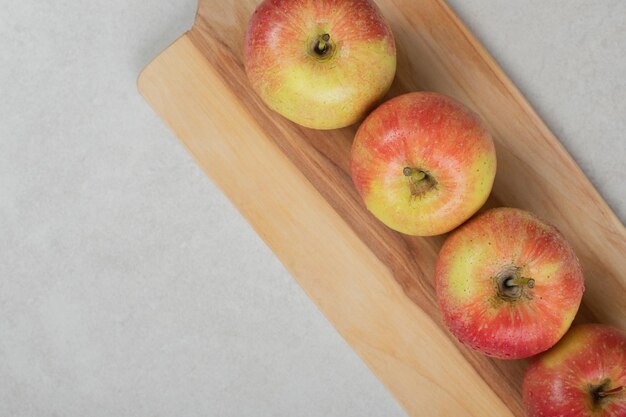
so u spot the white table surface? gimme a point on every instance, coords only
(129, 285)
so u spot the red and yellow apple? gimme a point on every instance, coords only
(322, 64)
(423, 163)
(584, 375)
(508, 284)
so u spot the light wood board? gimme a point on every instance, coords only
(375, 285)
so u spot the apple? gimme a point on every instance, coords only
(508, 284)
(584, 375)
(322, 64)
(423, 163)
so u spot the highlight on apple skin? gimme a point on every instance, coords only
(584, 375)
(508, 284)
(322, 64)
(423, 163)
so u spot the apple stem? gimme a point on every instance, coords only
(321, 46)
(512, 282)
(613, 391)
(415, 174)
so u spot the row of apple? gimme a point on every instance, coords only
(508, 284)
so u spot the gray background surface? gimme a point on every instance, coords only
(129, 286)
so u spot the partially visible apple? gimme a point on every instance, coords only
(322, 63)
(584, 375)
(509, 285)
(423, 163)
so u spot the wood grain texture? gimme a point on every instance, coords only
(373, 284)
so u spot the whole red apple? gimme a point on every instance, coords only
(584, 375)
(509, 285)
(321, 63)
(423, 163)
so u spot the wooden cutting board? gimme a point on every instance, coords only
(375, 285)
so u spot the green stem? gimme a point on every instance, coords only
(415, 174)
(322, 45)
(520, 281)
